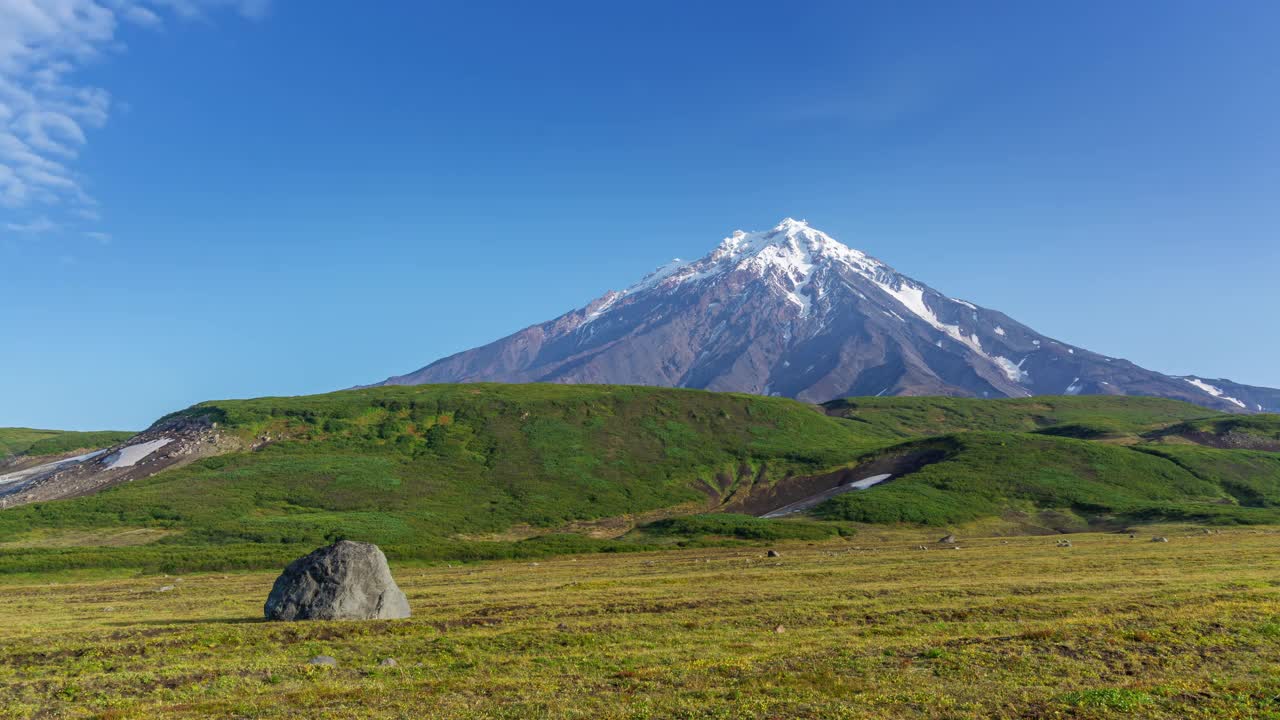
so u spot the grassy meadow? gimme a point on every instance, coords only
(862, 626)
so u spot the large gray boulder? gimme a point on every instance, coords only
(345, 581)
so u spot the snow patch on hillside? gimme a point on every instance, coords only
(602, 308)
(912, 298)
(46, 468)
(129, 456)
(1011, 369)
(1214, 391)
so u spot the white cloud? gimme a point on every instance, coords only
(140, 15)
(37, 226)
(193, 9)
(46, 117)
(53, 132)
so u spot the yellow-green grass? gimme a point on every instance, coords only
(26, 441)
(862, 627)
(70, 538)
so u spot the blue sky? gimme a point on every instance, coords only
(228, 198)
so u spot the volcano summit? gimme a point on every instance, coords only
(791, 311)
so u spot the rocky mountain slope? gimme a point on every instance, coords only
(793, 312)
(171, 442)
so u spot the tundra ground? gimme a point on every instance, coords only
(868, 626)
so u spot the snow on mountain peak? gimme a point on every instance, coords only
(787, 255)
(791, 245)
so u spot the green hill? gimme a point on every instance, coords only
(25, 441)
(1079, 483)
(473, 471)
(419, 469)
(1247, 432)
(1102, 415)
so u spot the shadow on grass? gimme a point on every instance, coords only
(191, 621)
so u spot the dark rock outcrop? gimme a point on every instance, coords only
(344, 581)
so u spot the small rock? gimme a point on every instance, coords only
(387, 662)
(773, 553)
(922, 547)
(1159, 539)
(1064, 543)
(779, 630)
(562, 627)
(323, 661)
(166, 588)
(947, 540)
(1132, 536)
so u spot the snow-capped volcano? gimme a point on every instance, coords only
(789, 254)
(792, 311)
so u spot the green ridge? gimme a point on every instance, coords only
(25, 441)
(466, 471)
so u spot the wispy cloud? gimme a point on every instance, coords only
(38, 226)
(140, 15)
(46, 117)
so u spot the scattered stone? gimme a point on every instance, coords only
(947, 540)
(922, 547)
(773, 553)
(1064, 543)
(387, 662)
(166, 588)
(344, 581)
(779, 630)
(323, 661)
(1159, 539)
(562, 627)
